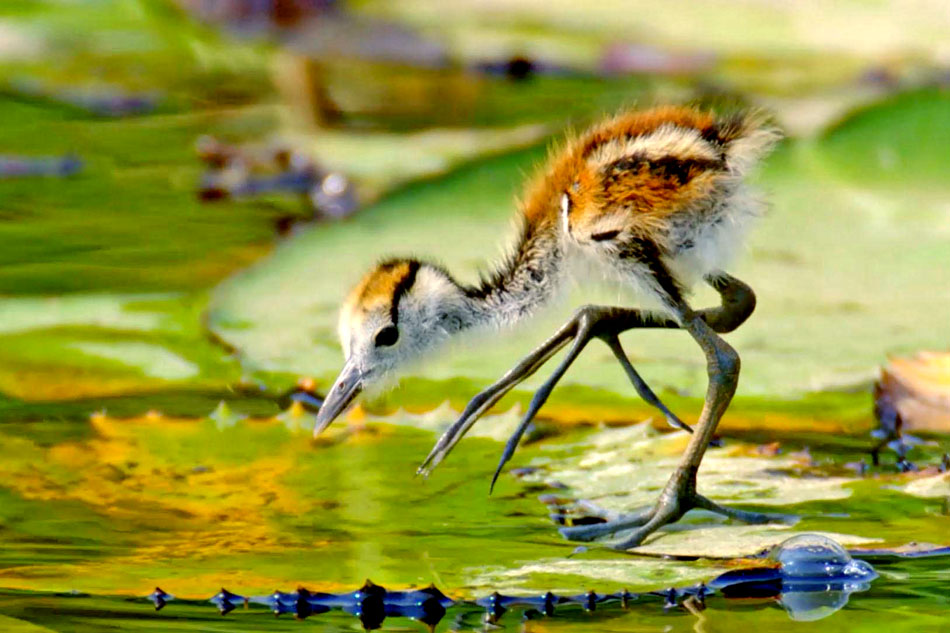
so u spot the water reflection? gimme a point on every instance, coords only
(159, 598)
(921, 582)
(811, 575)
(372, 604)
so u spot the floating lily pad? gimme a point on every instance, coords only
(625, 468)
(561, 575)
(14, 625)
(95, 345)
(382, 161)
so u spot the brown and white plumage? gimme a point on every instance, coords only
(662, 183)
(665, 182)
(656, 198)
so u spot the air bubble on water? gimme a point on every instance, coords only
(818, 576)
(815, 558)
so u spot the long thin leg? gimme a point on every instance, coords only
(587, 323)
(540, 397)
(486, 399)
(679, 495)
(738, 302)
(722, 365)
(643, 389)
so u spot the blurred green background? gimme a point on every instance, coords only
(148, 282)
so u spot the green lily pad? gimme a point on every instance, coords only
(657, 567)
(81, 345)
(625, 468)
(13, 625)
(567, 575)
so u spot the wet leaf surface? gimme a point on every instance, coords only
(187, 504)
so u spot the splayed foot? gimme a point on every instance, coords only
(678, 498)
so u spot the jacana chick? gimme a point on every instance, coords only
(655, 198)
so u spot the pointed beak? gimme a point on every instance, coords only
(347, 386)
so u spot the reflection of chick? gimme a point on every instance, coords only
(655, 198)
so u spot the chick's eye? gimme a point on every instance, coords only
(387, 336)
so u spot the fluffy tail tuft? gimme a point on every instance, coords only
(748, 137)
